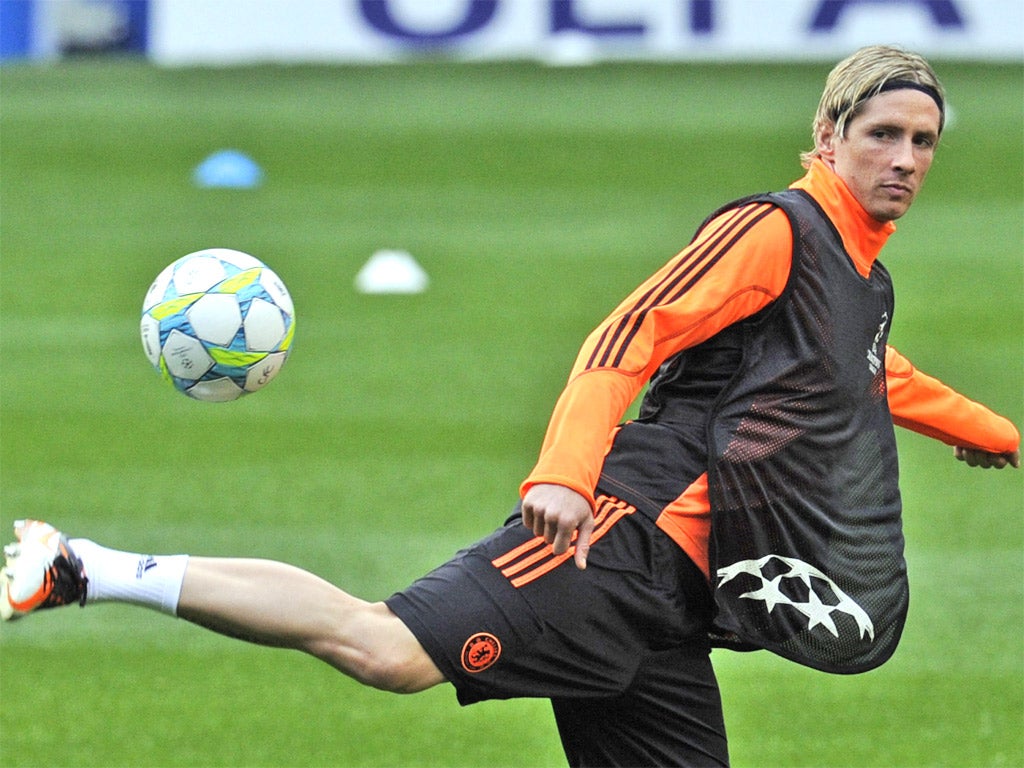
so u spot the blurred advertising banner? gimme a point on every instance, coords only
(46, 29)
(577, 31)
(181, 32)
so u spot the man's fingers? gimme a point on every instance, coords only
(583, 544)
(561, 540)
(556, 513)
(975, 458)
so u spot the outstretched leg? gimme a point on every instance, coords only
(275, 604)
(261, 601)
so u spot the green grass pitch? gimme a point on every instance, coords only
(399, 430)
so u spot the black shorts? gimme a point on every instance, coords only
(620, 648)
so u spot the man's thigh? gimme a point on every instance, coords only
(671, 715)
(506, 617)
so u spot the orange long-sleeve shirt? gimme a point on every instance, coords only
(731, 271)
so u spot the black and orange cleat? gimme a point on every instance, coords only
(41, 571)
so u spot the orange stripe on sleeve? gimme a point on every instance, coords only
(737, 265)
(673, 283)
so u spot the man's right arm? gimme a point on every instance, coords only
(735, 267)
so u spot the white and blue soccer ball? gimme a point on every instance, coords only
(217, 324)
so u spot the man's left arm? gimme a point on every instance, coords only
(922, 403)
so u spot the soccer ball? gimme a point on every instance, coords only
(217, 324)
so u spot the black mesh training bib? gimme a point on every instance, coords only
(806, 537)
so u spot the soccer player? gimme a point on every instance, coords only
(754, 501)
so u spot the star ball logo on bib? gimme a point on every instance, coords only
(480, 652)
(772, 592)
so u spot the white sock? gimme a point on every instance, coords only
(126, 577)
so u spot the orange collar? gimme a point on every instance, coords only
(863, 236)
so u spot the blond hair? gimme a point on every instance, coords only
(866, 73)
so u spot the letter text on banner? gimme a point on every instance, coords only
(378, 15)
(564, 18)
(944, 13)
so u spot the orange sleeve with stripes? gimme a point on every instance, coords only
(924, 404)
(737, 265)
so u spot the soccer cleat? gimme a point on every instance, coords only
(41, 571)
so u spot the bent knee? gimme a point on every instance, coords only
(376, 648)
(400, 672)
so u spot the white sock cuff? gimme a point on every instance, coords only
(171, 581)
(153, 581)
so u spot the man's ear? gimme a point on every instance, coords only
(825, 142)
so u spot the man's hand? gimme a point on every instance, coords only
(555, 512)
(973, 457)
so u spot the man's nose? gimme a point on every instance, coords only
(904, 159)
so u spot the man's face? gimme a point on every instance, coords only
(887, 150)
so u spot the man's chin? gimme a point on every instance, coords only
(890, 211)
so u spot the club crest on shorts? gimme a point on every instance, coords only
(480, 652)
(823, 595)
